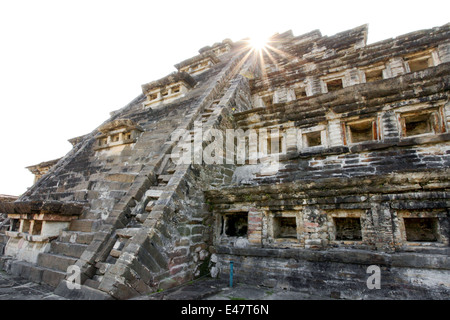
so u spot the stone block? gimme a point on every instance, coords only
(52, 277)
(76, 237)
(84, 293)
(55, 262)
(69, 249)
(81, 225)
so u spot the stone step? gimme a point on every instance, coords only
(74, 250)
(52, 277)
(156, 188)
(108, 185)
(55, 261)
(171, 170)
(83, 293)
(154, 193)
(76, 237)
(92, 283)
(83, 225)
(163, 164)
(150, 205)
(165, 177)
(36, 273)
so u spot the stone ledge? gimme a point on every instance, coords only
(43, 207)
(29, 237)
(351, 256)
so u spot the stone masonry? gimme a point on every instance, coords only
(308, 162)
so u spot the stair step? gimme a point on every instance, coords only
(36, 273)
(81, 225)
(55, 261)
(165, 177)
(52, 277)
(74, 250)
(92, 283)
(84, 293)
(163, 164)
(171, 170)
(76, 237)
(154, 193)
(110, 185)
(157, 188)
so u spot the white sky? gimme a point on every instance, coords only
(64, 65)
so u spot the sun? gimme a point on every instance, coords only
(258, 42)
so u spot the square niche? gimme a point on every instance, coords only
(235, 224)
(348, 229)
(421, 229)
(285, 227)
(361, 131)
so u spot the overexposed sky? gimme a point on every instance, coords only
(65, 64)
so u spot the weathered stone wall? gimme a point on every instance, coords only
(339, 273)
(389, 152)
(314, 260)
(304, 60)
(380, 203)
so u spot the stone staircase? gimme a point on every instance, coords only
(121, 198)
(168, 167)
(163, 175)
(153, 260)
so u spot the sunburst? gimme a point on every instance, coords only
(263, 52)
(258, 43)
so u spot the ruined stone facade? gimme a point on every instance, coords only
(338, 160)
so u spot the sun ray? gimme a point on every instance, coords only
(274, 61)
(262, 67)
(282, 53)
(259, 49)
